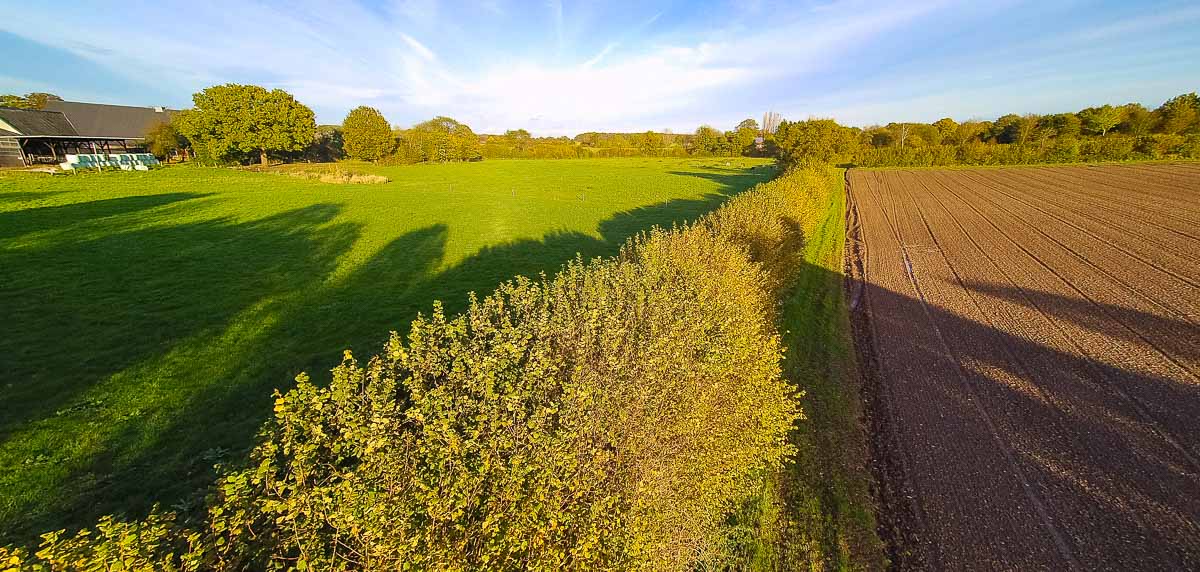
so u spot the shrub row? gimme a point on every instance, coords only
(1062, 150)
(610, 417)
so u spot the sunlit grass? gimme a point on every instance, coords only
(148, 315)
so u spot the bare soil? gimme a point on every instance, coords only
(1032, 341)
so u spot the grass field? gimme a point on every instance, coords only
(149, 315)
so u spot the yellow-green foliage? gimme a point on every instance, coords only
(611, 417)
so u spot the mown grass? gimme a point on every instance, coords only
(148, 315)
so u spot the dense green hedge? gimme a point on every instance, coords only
(610, 417)
(1063, 150)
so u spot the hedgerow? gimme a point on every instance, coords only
(611, 417)
(1061, 150)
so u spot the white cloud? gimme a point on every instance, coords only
(335, 59)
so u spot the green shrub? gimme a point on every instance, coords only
(611, 417)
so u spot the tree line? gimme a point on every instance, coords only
(239, 124)
(231, 123)
(1103, 133)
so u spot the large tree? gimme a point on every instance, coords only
(1065, 125)
(367, 135)
(164, 139)
(1137, 119)
(519, 139)
(706, 141)
(444, 139)
(815, 140)
(744, 135)
(1099, 120)
(1179, 114)
(649, 142)
(946, 128)
(233, 121)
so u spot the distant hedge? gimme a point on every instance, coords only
(1062, 150)
(611, 417)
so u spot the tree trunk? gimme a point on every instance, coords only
(263, 155)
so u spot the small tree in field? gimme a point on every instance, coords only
(366, 134)
(230, 121)
(163, 139)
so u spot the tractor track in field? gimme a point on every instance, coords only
(1183, 314)
(1138, 407)
(1030, 375)
(1147, 206)
(1091, 300)
(1100, 214)
(1123, 283)
(1013, 195)
(1156, 217)
(1165, 196)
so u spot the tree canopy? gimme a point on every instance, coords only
(35, 100)
(366, 134)
(1098, 120)
(231, 122)
(821, 140)
(441, 139)
(164, 139)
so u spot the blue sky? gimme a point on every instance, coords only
(560, 68)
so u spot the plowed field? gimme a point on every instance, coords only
(1034, 342)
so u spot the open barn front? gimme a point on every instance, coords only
(54, 150)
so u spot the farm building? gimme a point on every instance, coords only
(31, 136)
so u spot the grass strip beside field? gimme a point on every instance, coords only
(830, 518)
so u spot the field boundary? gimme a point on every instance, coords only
(889, 487)
(1183, 161)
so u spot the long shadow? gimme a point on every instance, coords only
(18, 223)
(301, 320)
(20, 196)
(1172, 333)
(83, 311)
(109, 322)
(972, 443)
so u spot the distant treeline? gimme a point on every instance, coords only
(445, 139)
(232, 124)
(1105, 133)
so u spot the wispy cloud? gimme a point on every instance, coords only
(600, 56)
(578, 68)
(419, 48)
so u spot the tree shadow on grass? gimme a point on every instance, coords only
(257, 307)
(19, 223)
(21, 196)
(104, 333)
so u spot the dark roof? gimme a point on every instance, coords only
(36, 122)
(102, 120)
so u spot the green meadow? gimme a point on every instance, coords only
(149, 315)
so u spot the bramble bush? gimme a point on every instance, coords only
(611, 417)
